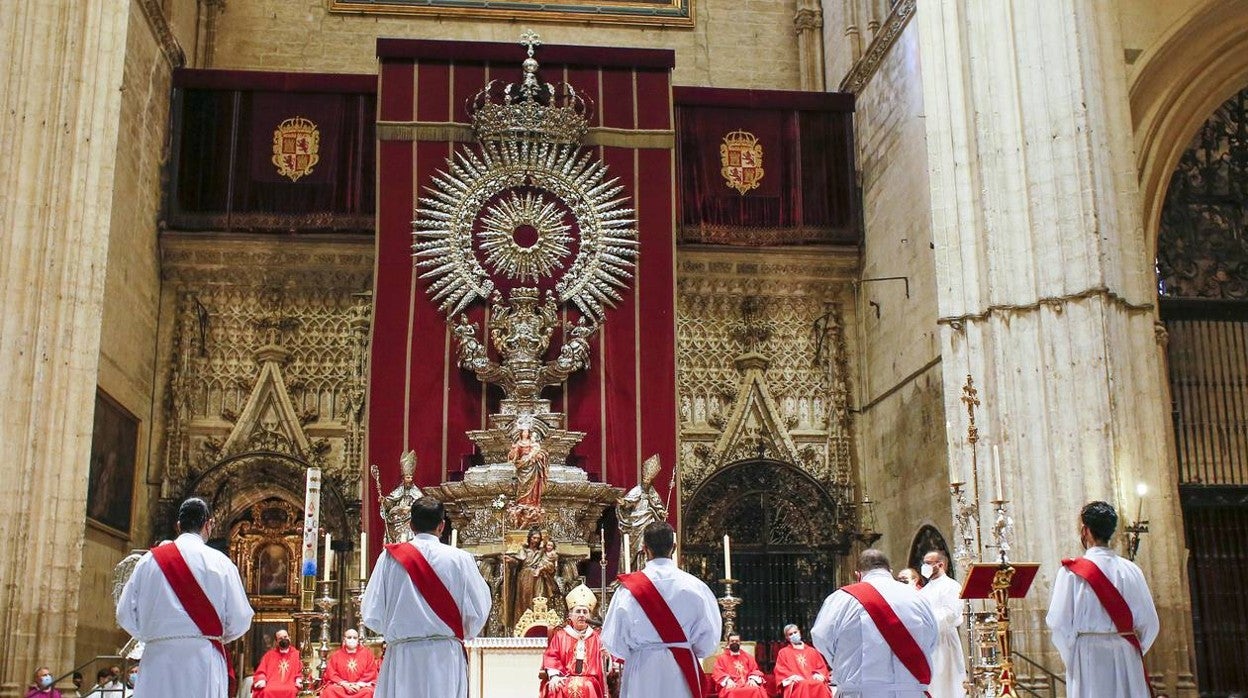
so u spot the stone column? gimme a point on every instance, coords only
(61, 95)
(808, 24)
(1045, 287)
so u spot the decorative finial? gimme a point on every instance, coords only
(530, 40)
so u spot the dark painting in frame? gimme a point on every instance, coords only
(114, 445)
(669, 13)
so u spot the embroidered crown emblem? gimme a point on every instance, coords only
(532, 111)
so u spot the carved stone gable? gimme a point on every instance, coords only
(755, 426)
(269, 421)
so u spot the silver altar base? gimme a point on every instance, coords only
(573, 506)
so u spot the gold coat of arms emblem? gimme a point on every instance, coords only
(296, 147)
(741, 161)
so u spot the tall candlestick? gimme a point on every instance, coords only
(363, 555)
(727, 557)
(602, 541)
(996, 467)
(329, 557)
(454, 537)
(628, 555)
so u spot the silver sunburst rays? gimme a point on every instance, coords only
(526, 260)
(555, 180)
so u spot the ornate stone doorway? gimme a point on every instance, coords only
(784, 547)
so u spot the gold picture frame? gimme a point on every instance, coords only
(668, 13)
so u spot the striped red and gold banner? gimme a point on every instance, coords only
(419, 398)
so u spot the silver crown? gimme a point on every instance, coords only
(532, 110)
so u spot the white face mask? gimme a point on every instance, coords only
(352, 643)
(926, 570)
(795, 638)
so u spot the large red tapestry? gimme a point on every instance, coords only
(419, 398)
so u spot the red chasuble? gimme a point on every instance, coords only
(582, 679)
(279, 672)
(345, 668)
(739, 667)
(804, 664)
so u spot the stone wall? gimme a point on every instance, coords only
(736, 43)
(129, 323)
(903, 422)
(59, 150)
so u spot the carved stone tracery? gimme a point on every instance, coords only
(267, 371)
(763, 365)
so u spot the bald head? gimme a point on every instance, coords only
(872, 559)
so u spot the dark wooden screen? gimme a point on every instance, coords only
(1216, 523)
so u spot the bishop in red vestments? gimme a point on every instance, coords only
(351, 670)
(800, 669)
(279, 672)
(573, 659)
(736, 673)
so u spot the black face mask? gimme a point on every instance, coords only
(734, 646)
(283, 643)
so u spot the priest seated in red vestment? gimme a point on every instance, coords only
(736, 673)
(351, 670)
(280, 671)
(573, 659)
(801, 671)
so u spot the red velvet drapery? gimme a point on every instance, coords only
(419, 398)
(807, 193)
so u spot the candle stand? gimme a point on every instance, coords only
(729, 603)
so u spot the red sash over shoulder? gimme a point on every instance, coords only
(1111, 599)
(895, 633)
(430, 585)
(664, 621)
(193, 598)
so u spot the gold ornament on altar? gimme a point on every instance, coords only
(296, 147)
(537, 614)
(741, 161)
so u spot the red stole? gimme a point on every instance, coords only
(1111, 599)
(193, 599)
(664, 621)
(430, 586)
(895, 633)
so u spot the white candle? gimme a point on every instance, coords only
(727, 557)
(311, 521)
(329, 558)
(628, 555)
(454, 538)
(363, 555)
(996, 467)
